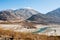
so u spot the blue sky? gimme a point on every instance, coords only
(42, 6)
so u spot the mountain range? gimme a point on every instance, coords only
(31, 15)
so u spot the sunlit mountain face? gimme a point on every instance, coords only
(23, 13)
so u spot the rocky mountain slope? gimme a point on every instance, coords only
(23, 13)
(31, 15)
(55, 15)
(50, 17)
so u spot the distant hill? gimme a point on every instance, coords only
(50, 17)
(55, 15)
(26, 14)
